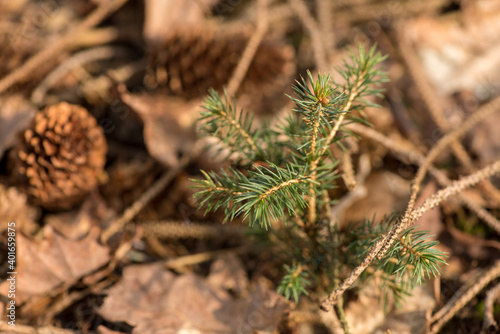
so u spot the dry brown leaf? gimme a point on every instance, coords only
(229, 273)
(42, 266)
(153, 299)
(14, 208)
(409, 318)
(386, 193)
(15, 115)
(168, 124)
(462, 52)
(75, 224)
(161, 16)
(485, 140)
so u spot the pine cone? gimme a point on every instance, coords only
(61, 156)
(189, 62)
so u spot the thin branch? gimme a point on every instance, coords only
(449, 138)
(382, 245)
(427, 92)
(21, 73)
(352, 96)
(457, 304)
(314, 165)
(417, 158)
(280, 186)
(489, 323)
(76, 60)
(314, 31)
(325, 10)
(250, 50)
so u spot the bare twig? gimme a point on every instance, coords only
(449, 138)
(145, 198)
(456, 304)
(417, 158)
(325, 10)
(78, 59)
(105, 8)
(489, 323)
(314, 31)
(427, 92)
(382, 245)
(253, 44)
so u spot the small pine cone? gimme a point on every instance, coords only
(60, 156)
(190, 61)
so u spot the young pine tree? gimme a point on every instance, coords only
(280, 182)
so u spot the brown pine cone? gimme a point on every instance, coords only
(190, 61)
(60, 156)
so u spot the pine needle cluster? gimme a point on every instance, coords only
(281, 177)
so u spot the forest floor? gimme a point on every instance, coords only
(99, 99)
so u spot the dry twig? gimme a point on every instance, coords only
(105, 8)
(462, 298)
(489, 323)
(431, 100)
(417, 158)
(77, 60)
(314, 31)
(382, 245)
(249, 52)
(192, 259)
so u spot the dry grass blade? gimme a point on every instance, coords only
(448, 139)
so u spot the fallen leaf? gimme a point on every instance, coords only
(161, 16)
(168, 124)
(75, 224)
(154, 300)
(386, 192)
(462, 53)
(14, 207)
(42, 266)
(228, 272)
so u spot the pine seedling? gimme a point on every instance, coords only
(280, 181)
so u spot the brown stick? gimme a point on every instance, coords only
(21, 73)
